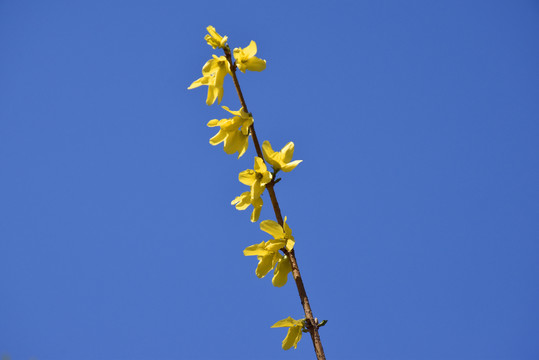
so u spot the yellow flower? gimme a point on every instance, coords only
(257, 178)
(214, 72)
(246, 59)
(234, 132)
(268, 253)
(282, 233)
(214, 39)
(280, 160)
(243, 201)
(294, 332)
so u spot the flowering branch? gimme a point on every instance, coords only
(234, 133)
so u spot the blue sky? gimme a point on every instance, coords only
(415, 209)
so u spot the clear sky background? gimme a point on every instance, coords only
(415, 211)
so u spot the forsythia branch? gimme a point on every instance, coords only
(234, 133)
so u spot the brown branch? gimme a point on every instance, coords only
(311, 323)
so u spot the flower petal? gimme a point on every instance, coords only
(250, 50)
(291, 165)
(274, 246)
(272, 228)
(287, 152)
(199, 82)
(287, 229)
(280, 275)
(237, 113)
(267, 150)
(213, 123)
(213, 33)
(243, 201)
(255, 214)
(292, 337)
(259, 165)
(257, 189)
(256, 249)
(270, 155)
(218, 138)
(210, 66)
(234, 142)
(288, 322)
(266, 177)
(265, 264)
(290, 244)
(243, 147)
(247, 177)
(256, 64)
(213, 94)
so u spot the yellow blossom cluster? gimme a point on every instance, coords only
(256, 179)
(268, 255)
(215, 70)
(233, 132)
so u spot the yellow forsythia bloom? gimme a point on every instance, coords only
(214, 39)
(234, 132)
(246, 59)
(294, 332)
(214, 72)
(280, 233)
(268, 253)
(257, 178)
(243, 201)
(280, 160)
